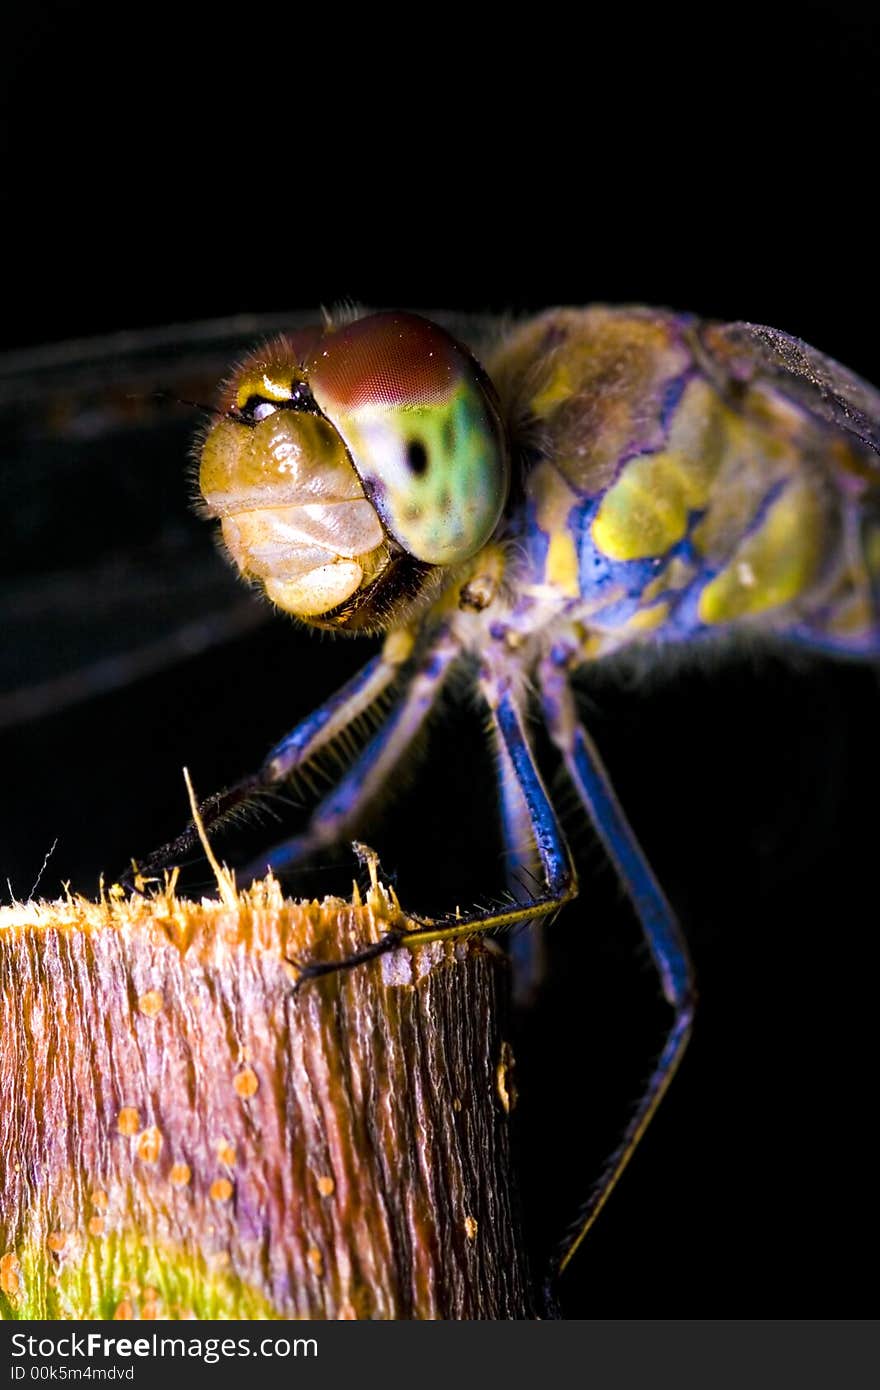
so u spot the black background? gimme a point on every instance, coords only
(722, 164)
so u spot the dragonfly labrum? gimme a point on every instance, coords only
(507, 506)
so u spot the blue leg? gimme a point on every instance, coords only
(340, 711)
(522, 867)
(560, 884)
(312, 733)
(552, 849)
(662, 932)
(339, 812)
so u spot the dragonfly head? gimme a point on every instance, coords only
(352, 467)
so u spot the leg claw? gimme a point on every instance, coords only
(312, 970)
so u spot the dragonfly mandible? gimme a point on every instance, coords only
(621, 427)
(611, 479)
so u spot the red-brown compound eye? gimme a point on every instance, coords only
(386, 359)
(421, 424)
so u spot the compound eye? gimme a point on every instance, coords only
(420, 422)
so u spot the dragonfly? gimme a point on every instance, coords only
(506, 505)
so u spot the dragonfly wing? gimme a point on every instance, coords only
(106, 574)
(73, 634)
(742, 353)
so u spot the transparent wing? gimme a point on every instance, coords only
(743, 352)
(105, 572)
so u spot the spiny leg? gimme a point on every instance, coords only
(560, 884)
(341, 710)
(661, 930)
(318, 728)
(340, 810)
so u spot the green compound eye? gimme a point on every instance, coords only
(419, 420)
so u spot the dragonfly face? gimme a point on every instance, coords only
(653, 461)
(347, 465)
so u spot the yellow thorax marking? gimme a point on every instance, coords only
(646, 619)
(554, 502)
(556, 389)
(775, 564)
(646, 511)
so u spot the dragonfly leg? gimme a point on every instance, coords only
(339, 811)
(523, 867)
(341, 710)
(560, 883)
(319, 728)
(662, 933)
